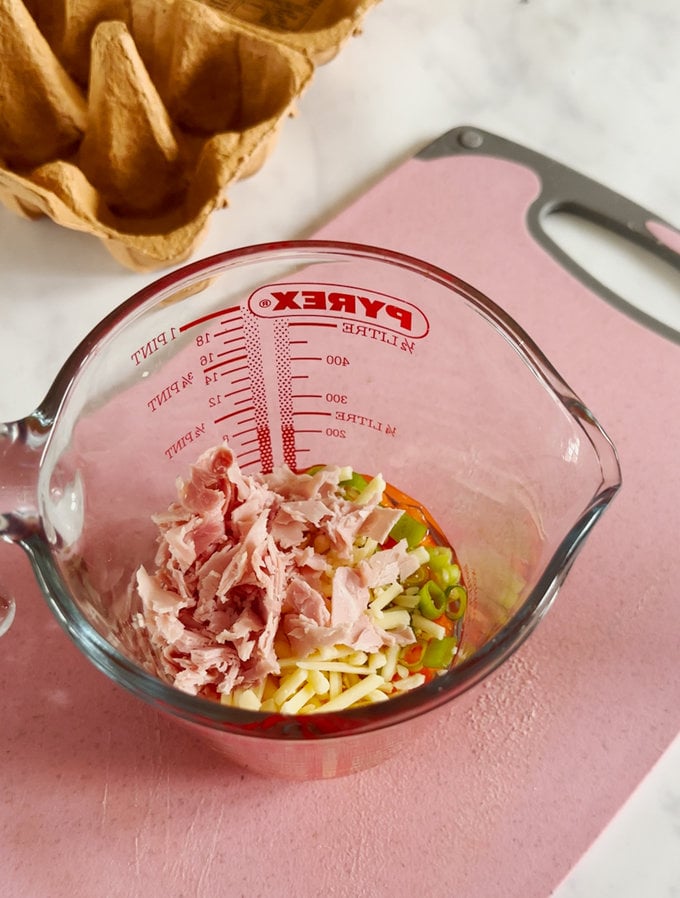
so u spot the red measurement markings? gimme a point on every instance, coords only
(239, 411)
(257, 368)
(302, 358)
(288, 444)
(283, 377)
(154, 345)
(249, 452)
(182, 442)
(173, 389)
(236, 392)
(321, 414)
(235, 371)
(265, 455)
(227, 342)
(239, 358)
(247, 430)
(204, 318)
(229, 330)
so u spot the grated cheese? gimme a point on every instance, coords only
(297, 701)
(416, 679)
(374, 487)
(384, 595)
(390, 667)
(355, 693)
(376, 660)
(429, 627)
(327, 666)
(319, 681)
(334, 683)
(289, 685)
(399, 617)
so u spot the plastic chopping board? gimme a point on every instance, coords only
(559, 740)
(101, 796)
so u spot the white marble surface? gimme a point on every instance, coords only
(593, 83)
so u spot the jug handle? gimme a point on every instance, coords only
(7, 612)
(21, 445)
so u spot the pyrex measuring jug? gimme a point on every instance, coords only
(306, 353)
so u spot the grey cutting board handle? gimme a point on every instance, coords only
(566, 190)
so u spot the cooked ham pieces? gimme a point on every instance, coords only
(237, 562)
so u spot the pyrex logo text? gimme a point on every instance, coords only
(335, 301)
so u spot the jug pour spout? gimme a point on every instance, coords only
(21, 445)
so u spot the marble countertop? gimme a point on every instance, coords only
(592, 83)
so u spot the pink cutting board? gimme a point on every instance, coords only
(101, 796)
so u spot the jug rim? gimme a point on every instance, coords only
(442, 689)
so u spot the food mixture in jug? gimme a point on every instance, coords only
(296, 593)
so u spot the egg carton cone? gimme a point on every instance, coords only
(316, 28)
(129, 119)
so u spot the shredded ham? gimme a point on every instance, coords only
(236, 562)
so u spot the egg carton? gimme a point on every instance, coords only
(128, 119)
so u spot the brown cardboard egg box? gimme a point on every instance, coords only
(128, 119)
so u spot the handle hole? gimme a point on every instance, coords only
(632, 272)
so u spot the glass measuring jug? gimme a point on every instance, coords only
(306, 353)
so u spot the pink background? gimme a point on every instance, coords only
(99, 795)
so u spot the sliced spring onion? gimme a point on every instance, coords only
(356, 483)
(417, 578)
(439, 557)
(412, 655)
(447, 576)
(439, 652)
(456, 603)
(432, 602)
(410, 529)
